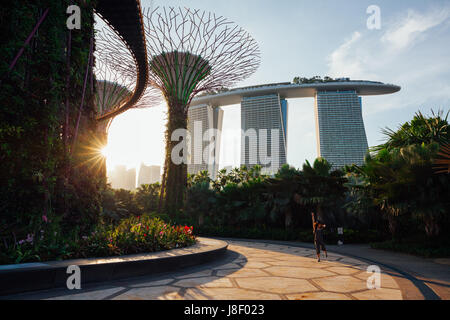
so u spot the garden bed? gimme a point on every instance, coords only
(422, 249)
(133, 235)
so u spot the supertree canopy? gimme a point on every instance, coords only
(192, 51)
(116, 74)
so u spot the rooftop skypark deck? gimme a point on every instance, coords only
(288, 90)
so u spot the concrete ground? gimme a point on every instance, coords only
(270, 270)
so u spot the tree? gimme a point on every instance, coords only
(282, 193)
(420, 129)
(147, 196)
(321, 188)
(191, 52)
(400, 173)
(403, 183)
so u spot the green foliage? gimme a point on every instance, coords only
(118, 204)
(40, 175)
(247, 198)
(315, 79)
(147, 196)
(417, 246)
(420, 130)
(296, 234)
(132, 235)
(402, 182)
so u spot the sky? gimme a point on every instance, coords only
(325, 38)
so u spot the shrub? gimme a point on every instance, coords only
(302, 235)
(133, 235)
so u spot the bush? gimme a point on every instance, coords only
(133, 235)
(418, 247)
(302, 235)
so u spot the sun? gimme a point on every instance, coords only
(105, 151)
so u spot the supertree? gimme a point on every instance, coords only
(192, 51)
(115, 81)
(116, 74)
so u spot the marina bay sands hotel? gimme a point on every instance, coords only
(340, 132)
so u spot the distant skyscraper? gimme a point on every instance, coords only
(201, 119)
(341, 136)
(149, 174)
(258, 113)
(121, 178)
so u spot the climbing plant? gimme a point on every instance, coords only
(43, 171)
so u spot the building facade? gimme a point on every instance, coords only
(121, 178)
(341, 137)
(264, 137)
(204, 142)
(340, 132)
(149, 175)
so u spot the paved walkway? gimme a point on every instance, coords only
(250, 271)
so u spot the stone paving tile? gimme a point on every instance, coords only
(203, 273)
(344, 270)
(341, 284)
(352, 261)
(205, 282)
(265, 260)
(98, 294)
(242, 273)
(256, 265)
(318, 296)
(386, 280)
(276, 284)
(228, 294)
(151, 283)
(153, 293)
(310, 264)
(228, 266)
(299, 272)
(379, 294)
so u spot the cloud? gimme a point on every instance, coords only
(365, 53)
(395, 56)
(341, 61)
(413, 27)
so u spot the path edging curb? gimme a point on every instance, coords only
(54, 274)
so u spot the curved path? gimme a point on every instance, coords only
(250, 271)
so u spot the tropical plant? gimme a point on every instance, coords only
(322, 187)
(147, 196)
(282, 194)
(442, 161)
(420, 129)
(403, 183)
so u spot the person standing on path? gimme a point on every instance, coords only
(318, 227)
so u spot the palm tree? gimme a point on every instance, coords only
(282, 192)
(323, 187)
(402, 183)
(420, 130)
(147, 196)
(442, 162)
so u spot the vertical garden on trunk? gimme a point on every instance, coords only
(45, 130)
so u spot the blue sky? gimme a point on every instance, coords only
(308, 38)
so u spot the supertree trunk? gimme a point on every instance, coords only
(175, 175)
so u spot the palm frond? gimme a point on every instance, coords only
(442, 163)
